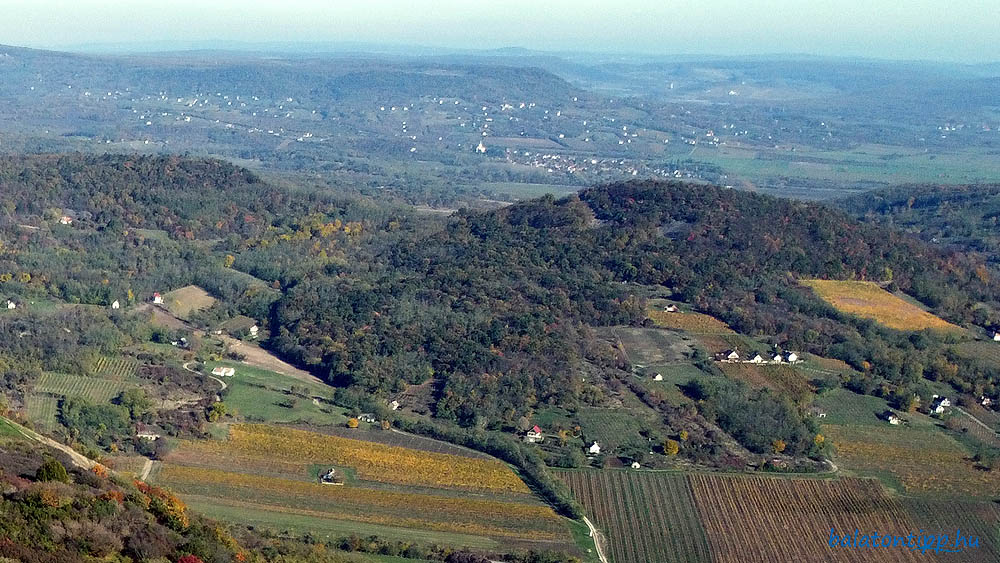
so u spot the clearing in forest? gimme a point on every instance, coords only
(186, 300)
(868, 300)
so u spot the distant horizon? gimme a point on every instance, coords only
(168, 46)
(921, 30)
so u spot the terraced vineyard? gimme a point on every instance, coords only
(645, 516)
(93, 388)
(117, 368)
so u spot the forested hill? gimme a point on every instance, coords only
(494, 307)
(963, 216)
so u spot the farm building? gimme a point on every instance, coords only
(985, 401)
(239, 327)
(157, 299)
(939, 404)
(11, 305)
(635, 465)
(996, 336)
(594, 449)
(394, 405)
(534, 435)
(891, 418)
(144, 432)
(223, 371)
(658, 377)
(331, 478)
(670, 309)
(116, 305)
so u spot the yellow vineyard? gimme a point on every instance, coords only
(493, 518)
(868, 300)
(372, 461)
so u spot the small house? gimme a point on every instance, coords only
(670, 309)
(116, 305)
(658, 377)
(157, 299)
(635, 465)
(11, 305)
(331, 478)
(394, 405)
(731, 356)
(777, 359)
(65, 220)
(939, 404)
(757, 359)
(985, 401)
(996, 337)
(892, 419)
(594, 449)
(144, 432)
(367, 417)
(481, 148)
(793, 358)
(223, 371)
(253, 331)
(534, 435)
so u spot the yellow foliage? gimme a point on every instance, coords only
(696, 323)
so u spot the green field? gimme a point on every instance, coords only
(649, 346)
(260, 395)
(186, 300)
(609, 427)
(847, 407)
(94, 389)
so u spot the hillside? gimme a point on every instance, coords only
(963, 217)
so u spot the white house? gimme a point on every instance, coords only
(481, 149)
(893, 419)
(116, 305)
(996, 336)
(757, 359)
(732, 356)
(658, 377)
(594, 449)
(635, 465)
(394, 405)
(11, 304)
(223, 371)
(985, 401)
(777, 359)
(253, 331)
(793, 358)
(670, 309)
(939, 404)
(534, 435)
(157, 299)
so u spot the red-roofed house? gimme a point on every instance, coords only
(534, 435)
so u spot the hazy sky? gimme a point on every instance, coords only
(958, 30)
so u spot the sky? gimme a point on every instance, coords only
(942, 30)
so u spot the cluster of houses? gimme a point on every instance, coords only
(733, 357)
